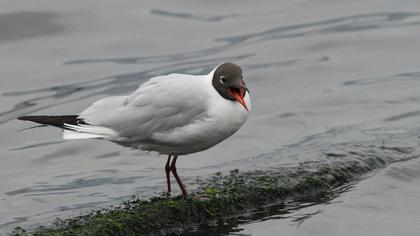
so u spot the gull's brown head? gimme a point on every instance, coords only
(228, 82)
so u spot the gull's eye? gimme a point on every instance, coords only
(222, 79)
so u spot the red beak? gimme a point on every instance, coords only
(239, 94)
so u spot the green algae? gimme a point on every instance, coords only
(218, 200)
(223, 200)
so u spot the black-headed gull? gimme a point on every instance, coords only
(176, 114)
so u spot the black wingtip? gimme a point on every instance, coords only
(24, 118)
(57, 121)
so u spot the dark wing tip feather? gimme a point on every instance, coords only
(57, 121)
(25, 117)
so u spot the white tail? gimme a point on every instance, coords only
(87, 131)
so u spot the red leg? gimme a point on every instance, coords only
(168, 173)
(178, 180)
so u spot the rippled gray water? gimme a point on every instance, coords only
(322, 73)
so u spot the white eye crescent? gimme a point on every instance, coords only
(222, 79)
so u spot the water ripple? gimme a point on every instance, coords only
(414, 76)
(336, 25)
(47, 189)
(353, 23)
(36, 145)
(403, 116)
(191, 16)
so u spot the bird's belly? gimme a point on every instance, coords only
(189, 139)
(195, 137)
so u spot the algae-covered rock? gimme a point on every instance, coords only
(218, 201)
(225, 200)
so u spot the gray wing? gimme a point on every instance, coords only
(159, 105)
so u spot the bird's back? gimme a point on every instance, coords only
(160, 104)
